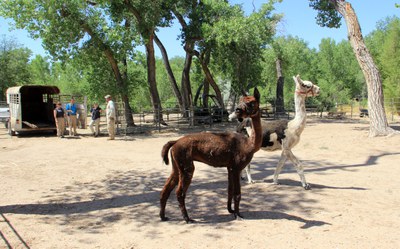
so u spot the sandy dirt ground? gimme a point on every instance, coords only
(88, 192)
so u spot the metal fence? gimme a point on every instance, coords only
(171, 118)
(146, 120)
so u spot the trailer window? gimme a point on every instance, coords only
(14, 98)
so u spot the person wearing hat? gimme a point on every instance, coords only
(110, 116)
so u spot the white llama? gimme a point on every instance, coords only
(284, 134)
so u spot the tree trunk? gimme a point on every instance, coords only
(210, 79)
(121, 82)
(279, 102)
(148, 36)
(122, 88)
(185, 83)
(151, 79)
(124, 96)
(170, 73)
(378, 121)
(206, 90)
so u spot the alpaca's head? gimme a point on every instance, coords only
(305, 87)
(249, 106)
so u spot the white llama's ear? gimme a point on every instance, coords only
(297, 79)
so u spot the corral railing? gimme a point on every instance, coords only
(146, 120)
(172, 117)
(356, 110)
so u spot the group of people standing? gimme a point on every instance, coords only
(70, 113)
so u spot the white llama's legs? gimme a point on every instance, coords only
(299, 167)
(278, 169)
(248, 174)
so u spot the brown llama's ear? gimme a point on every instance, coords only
(244, 93)
(256, 95)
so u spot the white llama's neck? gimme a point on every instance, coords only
(299, 121)
(254, 132)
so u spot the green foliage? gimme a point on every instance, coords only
(238, 43)
(14, 65)
(390, 59)
(327, 16)
(384, 44)
(243, 50)
(338, 73)
(40, 71)
(296, 58)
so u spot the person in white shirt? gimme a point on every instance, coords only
(110, 116)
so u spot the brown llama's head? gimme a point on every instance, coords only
(305, 87)
(248, 106)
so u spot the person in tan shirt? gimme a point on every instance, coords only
(110, 116)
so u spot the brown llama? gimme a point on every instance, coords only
(229, 149)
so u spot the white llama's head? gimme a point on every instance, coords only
(305, 87)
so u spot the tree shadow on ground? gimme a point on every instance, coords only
(133, 196)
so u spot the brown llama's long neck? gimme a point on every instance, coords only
(299, 121)
(256, 135)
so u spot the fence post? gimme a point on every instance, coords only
(159, 119)
(351, 109)
(393, 109)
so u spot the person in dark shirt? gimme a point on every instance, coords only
(59, 118)
(95, 121)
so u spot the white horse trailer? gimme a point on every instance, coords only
(31, 108)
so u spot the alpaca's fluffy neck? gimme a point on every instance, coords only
(255, 135)
(299, 121)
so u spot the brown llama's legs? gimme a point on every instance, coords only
(230, 191)
(185, 178)
(237, 195)
(234, 192)
(170, 184)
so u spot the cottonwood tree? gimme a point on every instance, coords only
(149, 15)
(385, 47)
(239, 41)
(329, 14)
(65, 27)
(286, 57)
(170, 73)
(40, 70)
(14, 64)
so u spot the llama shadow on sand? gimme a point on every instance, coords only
(272, 215)
(263, 170)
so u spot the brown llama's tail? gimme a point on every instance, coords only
(164, 151)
